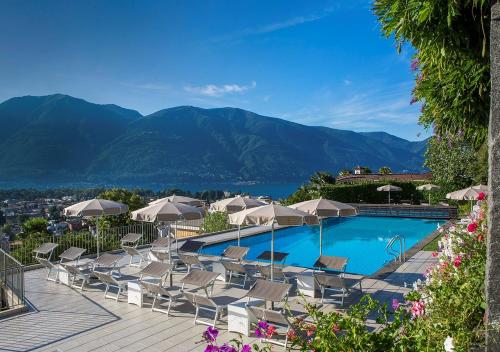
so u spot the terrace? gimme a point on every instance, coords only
(61, 318)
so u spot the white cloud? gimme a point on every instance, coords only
(347, 82)
(213, 90)
(266, 98)
(148, 86)
(375, 109)
(272, 27)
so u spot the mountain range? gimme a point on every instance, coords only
(59, 138)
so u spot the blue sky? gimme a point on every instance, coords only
(312, 62)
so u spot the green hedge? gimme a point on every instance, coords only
(360, 192)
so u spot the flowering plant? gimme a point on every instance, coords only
(263, 330)
(444, 311)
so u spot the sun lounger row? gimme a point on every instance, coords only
(152, 279)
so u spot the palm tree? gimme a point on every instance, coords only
(321, 178)
(385, 170)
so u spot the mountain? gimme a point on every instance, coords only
(59, 138)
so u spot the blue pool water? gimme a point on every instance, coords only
(362, 239)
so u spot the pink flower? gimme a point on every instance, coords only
(395, 304)
(457, 261)
(434, 254)
(292, 335)
(310, 330)
(246, 348)
(259, 334)
(481, 196)
(472, 227)
(414, 64)
(335, 328)
(271, 330)
(210, 335)
(226, 348)
(211, 348)
(480, 237)
(417, 309)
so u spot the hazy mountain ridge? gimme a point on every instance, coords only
(59, 137)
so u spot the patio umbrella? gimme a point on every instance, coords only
(389, 188)
(268, 215)
(430, 188)
(178, 199)
(469, 193)
(167, 212)
(324, 208)
(235, 204)
(96, 208)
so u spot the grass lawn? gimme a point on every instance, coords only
(433, 245)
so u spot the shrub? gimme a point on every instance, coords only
(215, 222)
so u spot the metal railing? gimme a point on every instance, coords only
(11, 282)
(109, 239)
(399, 255)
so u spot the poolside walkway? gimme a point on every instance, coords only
(62, 319)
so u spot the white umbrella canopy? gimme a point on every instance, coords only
(483, 188)
(430, 188)
(178, 199)
(324, 208)
(469, 193)
(389, 188)
(96, 208)
(268, 215)
(235, 204)
(271, 214)
(167, 212)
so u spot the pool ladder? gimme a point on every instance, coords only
(399, 255)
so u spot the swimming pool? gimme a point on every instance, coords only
(362, 239)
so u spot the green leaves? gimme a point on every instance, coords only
(451, 40)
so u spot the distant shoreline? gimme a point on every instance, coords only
(276, 190)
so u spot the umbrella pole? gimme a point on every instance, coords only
(239, 234)
(176, 240)
(389, 197)
(321, 237)
(429, 198)
(97, 234)
(169, 245)
(272, 252)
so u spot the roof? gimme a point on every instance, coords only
(379, 177)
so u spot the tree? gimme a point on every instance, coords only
(385, 170)
(2, 218)
(365, 170)
(452, 162)
(54, 213)
(451, 64)
(132, 199)
(321, 178)
(35, 225)
(344, 172)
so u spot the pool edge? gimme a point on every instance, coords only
(389, 268)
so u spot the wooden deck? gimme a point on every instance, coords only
(63, 319)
